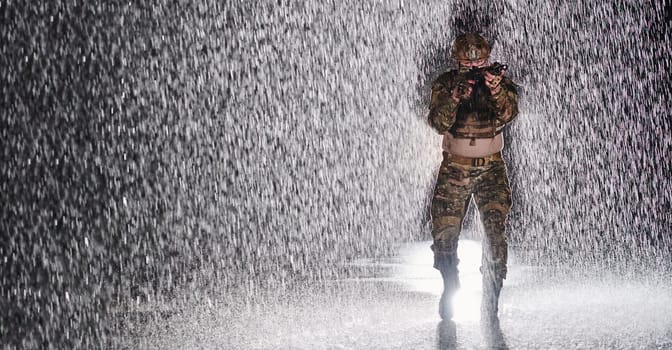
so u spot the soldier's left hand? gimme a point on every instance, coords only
(493, 81)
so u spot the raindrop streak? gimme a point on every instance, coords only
(168, 154)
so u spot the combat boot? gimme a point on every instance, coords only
(445, 260)
(447, 265)
(492, 286)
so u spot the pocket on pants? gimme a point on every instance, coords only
(454, 175)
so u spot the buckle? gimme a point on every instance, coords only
(478, 161)
(482, 161)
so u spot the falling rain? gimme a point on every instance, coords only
(256, 175)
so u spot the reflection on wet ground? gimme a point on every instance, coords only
(397, 309)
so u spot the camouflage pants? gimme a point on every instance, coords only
(455, 186)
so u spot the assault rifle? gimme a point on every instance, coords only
(477, 75)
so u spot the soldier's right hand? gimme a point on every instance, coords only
(463, 90)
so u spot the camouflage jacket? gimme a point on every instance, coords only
(481, 117)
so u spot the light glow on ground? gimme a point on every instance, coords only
(417, 273)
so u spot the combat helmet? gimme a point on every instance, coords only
(471, 47)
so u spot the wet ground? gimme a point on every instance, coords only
(396, 308)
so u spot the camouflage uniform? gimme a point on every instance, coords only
(456, 182)
(483, 117)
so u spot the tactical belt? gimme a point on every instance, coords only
(459, 133)
(473, 161)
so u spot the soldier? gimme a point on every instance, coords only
(470, 107)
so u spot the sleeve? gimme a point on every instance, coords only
(506, 101)
(442, 107)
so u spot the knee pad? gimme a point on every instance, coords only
(494, 216)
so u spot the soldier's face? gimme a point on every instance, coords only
(467, 64)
